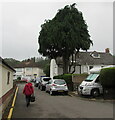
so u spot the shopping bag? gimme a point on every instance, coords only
(32, 98)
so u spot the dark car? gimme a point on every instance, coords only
(43, 82)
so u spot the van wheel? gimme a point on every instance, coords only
(95, 92)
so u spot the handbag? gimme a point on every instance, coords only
(32, 98)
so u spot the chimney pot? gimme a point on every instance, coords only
(107, 50)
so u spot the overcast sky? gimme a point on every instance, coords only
(21, 24)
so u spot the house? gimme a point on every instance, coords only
(84, 62)
(6, 85)
(28, 68)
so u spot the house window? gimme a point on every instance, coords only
(19, 70)
(28, 69)
(95, 54)
(90, 67)
(8, 77)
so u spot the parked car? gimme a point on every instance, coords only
(37, 82)
(43, 82)
(25, 79)
(56, 85)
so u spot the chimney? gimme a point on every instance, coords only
(107, 50)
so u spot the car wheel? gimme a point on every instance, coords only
(46, 91)
(41, 88)
(38, 86)
(95, 92)
(51, 92)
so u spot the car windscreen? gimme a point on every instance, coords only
(46, 79)
(91, 77)
(59, 82)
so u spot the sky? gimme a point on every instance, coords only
(21, 23)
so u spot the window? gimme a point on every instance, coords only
(46, 79)
(8, 77)
(50, 81)
(19, 70)
(91, 77)
(97, 80)
(95, 54)
(28, 69)
(59, 82)
(90, 67)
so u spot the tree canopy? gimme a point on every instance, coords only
(63, 35)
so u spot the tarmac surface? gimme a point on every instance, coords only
(60, 106)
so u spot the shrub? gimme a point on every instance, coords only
(19, 78)
(107, 77)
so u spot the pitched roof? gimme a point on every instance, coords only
(6, 64)
(27, 64)
(92, 58)
(88, 58)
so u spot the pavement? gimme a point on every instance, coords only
(90, 98)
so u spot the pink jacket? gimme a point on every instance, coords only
(28, 89)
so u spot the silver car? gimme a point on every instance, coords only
(43, 82)
(56, 85)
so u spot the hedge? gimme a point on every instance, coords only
(107, 77)
(67, 78)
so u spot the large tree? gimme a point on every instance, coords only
(63, 35)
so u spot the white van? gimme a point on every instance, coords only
(91, 85)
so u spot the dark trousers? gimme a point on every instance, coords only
(28, 97)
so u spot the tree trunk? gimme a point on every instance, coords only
(65, 65)
(74, 65)
(70, 63)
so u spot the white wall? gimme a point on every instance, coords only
(53, 68)
(19, 72)
(29, 71)
(6, 87)
(0, 89)
(0, 80)
(80, 69)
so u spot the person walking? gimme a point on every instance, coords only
(28, 91)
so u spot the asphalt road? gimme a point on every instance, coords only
(60, 106)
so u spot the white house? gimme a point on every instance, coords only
(28, 69)
(6, 85)
(84, 62)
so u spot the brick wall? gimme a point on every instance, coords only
(5, 99)
(77, 79)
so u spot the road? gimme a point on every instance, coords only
(60, 106)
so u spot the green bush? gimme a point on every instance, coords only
(19, 78)
(107, 77)
(67, 78)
